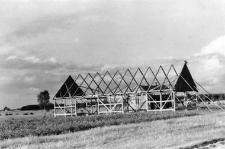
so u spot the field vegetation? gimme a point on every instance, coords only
(196, 131)
(45, 125)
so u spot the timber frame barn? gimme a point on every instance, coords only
(127, 91)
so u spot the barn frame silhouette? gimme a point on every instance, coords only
(128, 91)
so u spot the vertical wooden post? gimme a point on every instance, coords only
(91, 107)
(160, 102)
(110, 104)
(122, 103)
(185, 99)
(64, 107)
(98, 104)
(174, 101)
(136, 103)
(54, 108)
(147, 102)
(71, 107)
(75, 106)
(196, 103)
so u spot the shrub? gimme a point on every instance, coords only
(30, 107)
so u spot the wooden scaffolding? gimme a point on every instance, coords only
(126, 91)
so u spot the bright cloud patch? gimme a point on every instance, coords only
(32, 59)
(211, 68)
(215, 47)
(53, 60)
(11, 57)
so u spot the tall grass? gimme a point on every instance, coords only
(184, 132)
(42, 126)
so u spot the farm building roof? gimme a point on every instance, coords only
(185, 81)
(69, 89)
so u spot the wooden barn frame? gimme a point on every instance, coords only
(125, 91)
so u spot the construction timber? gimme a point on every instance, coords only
(127, 91)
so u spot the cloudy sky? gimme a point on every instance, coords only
(42, 42)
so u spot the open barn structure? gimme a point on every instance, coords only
(128, 91)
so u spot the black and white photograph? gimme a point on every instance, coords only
(112, 74)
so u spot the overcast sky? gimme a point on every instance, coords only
(42, 42)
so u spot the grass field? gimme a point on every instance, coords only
(15, 127)
(170, 133)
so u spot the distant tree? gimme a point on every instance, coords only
(216, 96)
(43, 99)
(210, 96)
(49, 106)
(6, 109)
(30, 107)
(223, 96)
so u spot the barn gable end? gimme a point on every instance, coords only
(185, 81)
(69, 89)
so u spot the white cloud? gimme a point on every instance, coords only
(34, 89)
(217, 46)
(5, 79)
(5, 49)
(211, 67)
(109, 67)
(32, 59)
(11, 57)
(30, 79)
(53, 60)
